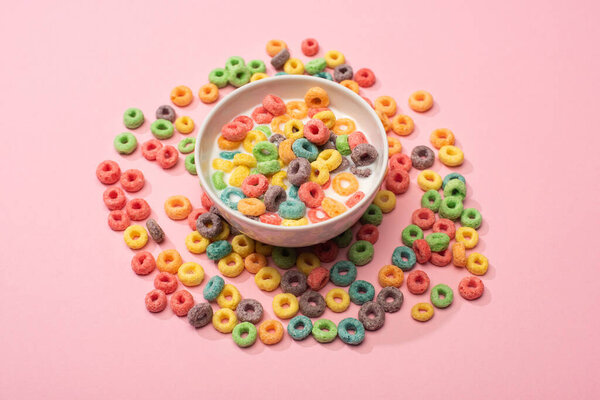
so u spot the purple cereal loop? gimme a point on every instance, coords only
(289, 278)
(298, 171)
(280, 59)
(310, 310)
(371, 307)
(249, 310)
(166, 112)
(274, 196)
(360, 172)
(364, 154)
(342, 72)
(200, 315)
(276, 139)
(422, 157)
(343, 166)
(209, 225)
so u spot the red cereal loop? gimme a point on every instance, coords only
(143, 263)
(311, 194)
(316, 132)
(400, 161)
(194, 216)
(441, 258)
(261, 116)
(316, 215)
(424, 218)
(118, 220)
(368, 232)
(247, 121)
(234, 131)
(132, 180)
(368, 101)
(181, 302)
(326, 252)
(166, 282)
(206, 201)
(417, 282)
(446, 226)
(364, 77)
(167, 157)
(138, 209)
(470, 288)
(354, 199)
(150, 149)
(356, 138)
(318, 278)
(114, 198)
(422, 250)
(108, 172)
(397, 181)
(274, 105)
(156, 301)
(309, 47)
(255, 185)
(313, 111)
(270, 218)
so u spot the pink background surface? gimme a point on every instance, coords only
(516, 81)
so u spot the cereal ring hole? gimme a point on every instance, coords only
(420, 97)
(124, 139)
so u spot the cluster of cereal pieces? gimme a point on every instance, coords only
(311, 156)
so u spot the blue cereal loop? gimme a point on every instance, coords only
(324, 75)
(453, 175)
(305, 149)
(228, 155)
(219, 249)
(404, 258)
(355, 325)
(292, 209)
(300, 327)
(213, 288)
(360, 292)
(293, 192)
(228, 193)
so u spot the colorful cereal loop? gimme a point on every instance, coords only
(422, 312)
(344, 184)
(344, 126)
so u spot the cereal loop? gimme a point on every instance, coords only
(390, 275)
(270, 332)
(422, 312)
(420, 101)
(169, 261)
(316, 97)
(403, 125)
(182, 96)
(441, 137)
(344, 184)
(332, 207)
(344, 126)
(178, 207)
(386, 104)
(351, 85)
(451, 156)
(135, 237)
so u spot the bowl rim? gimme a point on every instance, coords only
(239, 92)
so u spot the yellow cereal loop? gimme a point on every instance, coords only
(327, 117)
(242, 245)
(267, 279)
(285, 305)
(332, 207)
(333, 58)
(224, 233)
(306, 262)
(196, 243)
(385, 120)
(293, 129)
(244, 159)
(224, 320)
(451, 156)
(225, 144)
(344, 184)
(278, 122)
(277, 179)
(331, 157)
(429, 180)
(403, 125)
(286, 154)
(252, 138)
(297, 109)
(319, 172)
(477, 264)
(238, 175)
(229, 297)
(231, 265)
(422, 312)
(386, 200)
(394, 146)
(222, 165)
(264, 249)
(350, 84)
(258, 76)
(386, 104)
(135, 237)
(190, 274)
(294, 222)
(184, 125)
(344, 126)
(467, 236)
(169, 261)
(337, 300)
(293, 66)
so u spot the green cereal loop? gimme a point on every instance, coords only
(361, 252)
(443, 290)
(133, 118)
(239, 76)
(451, 208)
(455, 187)
(254, 171)
(268, 167)
(315, 66)
(265, 151)
(471, 217)
(186, 145)
(438, 241)
(373, 215)
(324, 330)
(190, 164)
(341, 144)
(218, 181)
(234, 62)
(162, 129)
(410, 234)
(284, 257)
(431, 199)
(125, 143)
(264, 129)
(256, 66)
(219, 77)
(250, 331)
(343, 239)
(228, 155)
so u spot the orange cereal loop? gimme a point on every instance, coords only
(297, 109)
(225, 144)
(316, 97)
(459, 255)
(182, 96)
(386, 104)
(277, 122)
(270, 331)
(385, 120)
(390, 275)
(403, 125)
(251, 207)
(344, 126)
(285, 151)
(441, 137)
(169, 261)
(394, 146)
(332, 207)
(344, 184)
(254, 262)
(420, 101)
(208, 93)
(350, 84)
(178, 207)
(275, 46)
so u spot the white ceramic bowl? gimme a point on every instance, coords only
(291, 87)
